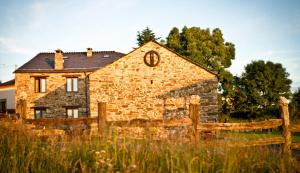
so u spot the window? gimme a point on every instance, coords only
(40, 85)
(72, 113)
(72, 84)
(39, 113)
(2, 105)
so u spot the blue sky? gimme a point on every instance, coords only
(260, 29)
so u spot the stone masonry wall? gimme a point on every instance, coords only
(55, 98)
(134, 90)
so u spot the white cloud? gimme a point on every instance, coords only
(106, 7)
(37, 13)
(11, 45)
(281, 52)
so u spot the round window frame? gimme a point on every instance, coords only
(152, 52)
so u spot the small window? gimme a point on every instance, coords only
(72, 84)
(72, 113)
(39, 113)
(40, 85)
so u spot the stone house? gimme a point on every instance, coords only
(151, 82)
(7, 97)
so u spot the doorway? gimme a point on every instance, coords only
(2, 106)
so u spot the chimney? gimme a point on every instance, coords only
(58, 60)
(89, 52)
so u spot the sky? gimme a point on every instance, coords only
(260, 29)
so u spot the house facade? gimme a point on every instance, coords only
(7, 97)
(151, 82)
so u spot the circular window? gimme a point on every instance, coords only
(152, 58)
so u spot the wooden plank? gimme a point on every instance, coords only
(295, 128)
(295, 145)
(60, 121)
(252, 143)
(268, 124)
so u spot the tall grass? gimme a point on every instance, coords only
(21, 151)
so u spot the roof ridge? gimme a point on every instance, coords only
(98, 51)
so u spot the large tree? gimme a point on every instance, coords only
(145, 36)
(208, 49)
(259, 87)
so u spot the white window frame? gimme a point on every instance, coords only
(72, 112)
(72, 84)
(40, 85)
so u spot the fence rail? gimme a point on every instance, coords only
(252, 143)
(267, 124)
(260, 125)
(61, 121)
(193, 124)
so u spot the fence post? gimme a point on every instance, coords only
(101, 115)
(21, 108)
(284, 110)
(194, 115)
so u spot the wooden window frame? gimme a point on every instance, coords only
(38, 84)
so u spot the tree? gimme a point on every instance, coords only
(295, 105)
(209, 50)
(173, 40)
(259, 87)
(145, 36)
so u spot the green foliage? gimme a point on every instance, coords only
(258, 89)
(209, 50)
(145, 36)
(202, 46)
(173, 40)
(295, 105)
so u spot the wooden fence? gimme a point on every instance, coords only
(193, 124)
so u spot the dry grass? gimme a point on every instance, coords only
(23, 151)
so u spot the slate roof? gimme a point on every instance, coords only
(8, 83)
(73, 62)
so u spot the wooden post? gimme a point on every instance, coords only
(284, 109)
(194, 115)
(101, 115)
(21, 108)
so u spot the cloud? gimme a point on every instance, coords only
(106, 7)
(281, 52)
(11, 45)
(37, 13)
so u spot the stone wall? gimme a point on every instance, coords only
(131, 89)
(134, 90)
(55, 98)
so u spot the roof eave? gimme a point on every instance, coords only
(54, 71)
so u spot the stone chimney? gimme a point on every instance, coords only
(58, 60)
(89, 52)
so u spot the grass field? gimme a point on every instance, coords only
(21, 151)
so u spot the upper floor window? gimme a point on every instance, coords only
(40, 85)
(72, 84)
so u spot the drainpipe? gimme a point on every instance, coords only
(86, 94)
